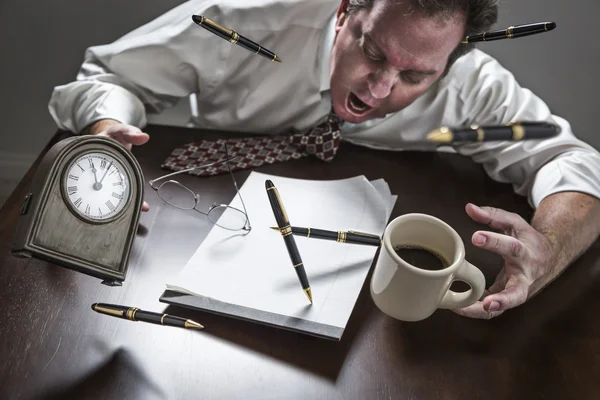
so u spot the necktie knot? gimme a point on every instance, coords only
(321, 141)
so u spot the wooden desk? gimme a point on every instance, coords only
(54, 346)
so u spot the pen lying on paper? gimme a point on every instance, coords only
(352, 237)
(135, 314)
(286, 231)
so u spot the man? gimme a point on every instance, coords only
(392, 70)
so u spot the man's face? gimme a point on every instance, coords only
(387, 56)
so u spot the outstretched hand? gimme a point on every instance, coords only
(529, 261)
(127, 135)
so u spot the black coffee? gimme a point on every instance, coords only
(421, 257)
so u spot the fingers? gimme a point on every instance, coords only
(494, 304)
(504, 245)
(499, 283)
(514, 294)
(495, 217)
(477, 310)
(136, 138)
(145, 206)
(127, 135)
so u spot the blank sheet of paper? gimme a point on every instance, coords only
(251, 276)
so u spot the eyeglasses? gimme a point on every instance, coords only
(180, 196)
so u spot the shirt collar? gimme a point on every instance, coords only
(327, 44)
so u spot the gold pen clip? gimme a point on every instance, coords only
(217, 26)
(285, 217)
(365, 234)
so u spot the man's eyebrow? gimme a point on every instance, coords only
(371, 43)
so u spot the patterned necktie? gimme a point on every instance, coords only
(321, 141)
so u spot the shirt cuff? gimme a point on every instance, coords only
(116, 103)
(577, 171)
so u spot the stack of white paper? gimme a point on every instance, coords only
(251, 276)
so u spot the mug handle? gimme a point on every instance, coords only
(474, 277)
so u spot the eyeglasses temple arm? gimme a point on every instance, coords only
(151, 182)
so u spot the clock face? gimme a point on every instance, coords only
(97, 186)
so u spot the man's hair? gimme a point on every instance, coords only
(480, 16)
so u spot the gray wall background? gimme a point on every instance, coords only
(43, 44)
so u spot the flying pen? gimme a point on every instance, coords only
(512, 32)
(234, 38)
(514, 131)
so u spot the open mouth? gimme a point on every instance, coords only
(356, 106)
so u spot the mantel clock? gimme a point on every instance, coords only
(83, 209)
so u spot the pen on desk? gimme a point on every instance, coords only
(135, 314)
(286, 231)
(233, 37)
(352, 237)
(511, 32)
(514, 131)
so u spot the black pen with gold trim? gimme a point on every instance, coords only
(351, 237)
(512, 32)
(135, 314)
(286, 231)
(515, 131)
(233, 37)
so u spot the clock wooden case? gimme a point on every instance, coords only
(83, 209)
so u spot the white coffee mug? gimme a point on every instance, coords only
(409, 293)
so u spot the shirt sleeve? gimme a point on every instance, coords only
(147, 70)
(536, 168)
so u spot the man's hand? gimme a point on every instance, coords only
(127, 135)
(529, 261)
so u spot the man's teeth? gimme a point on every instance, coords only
(357, 107)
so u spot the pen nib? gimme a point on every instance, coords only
(192, 325)
(308, 293)
(276, 59)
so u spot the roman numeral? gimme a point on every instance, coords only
(118, 184)
(87, 209)
(117, 196)
(78, 202)
(110, 205)
(75, 178)
(72, 190)
(80, 167)
(100, 211)
(91, 163)
(103, 164)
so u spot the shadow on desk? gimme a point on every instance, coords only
(110, 379)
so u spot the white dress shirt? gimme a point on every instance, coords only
(153, 67)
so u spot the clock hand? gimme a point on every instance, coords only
(96, 185)
(105, 172)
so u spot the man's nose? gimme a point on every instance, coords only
(382, 82)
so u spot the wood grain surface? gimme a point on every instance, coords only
(54, 346)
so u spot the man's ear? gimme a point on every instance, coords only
(342, 14)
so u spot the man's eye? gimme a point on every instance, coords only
(412, 79)
(372, 55)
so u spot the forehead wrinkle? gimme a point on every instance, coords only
(396, 52)
(409, 34)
